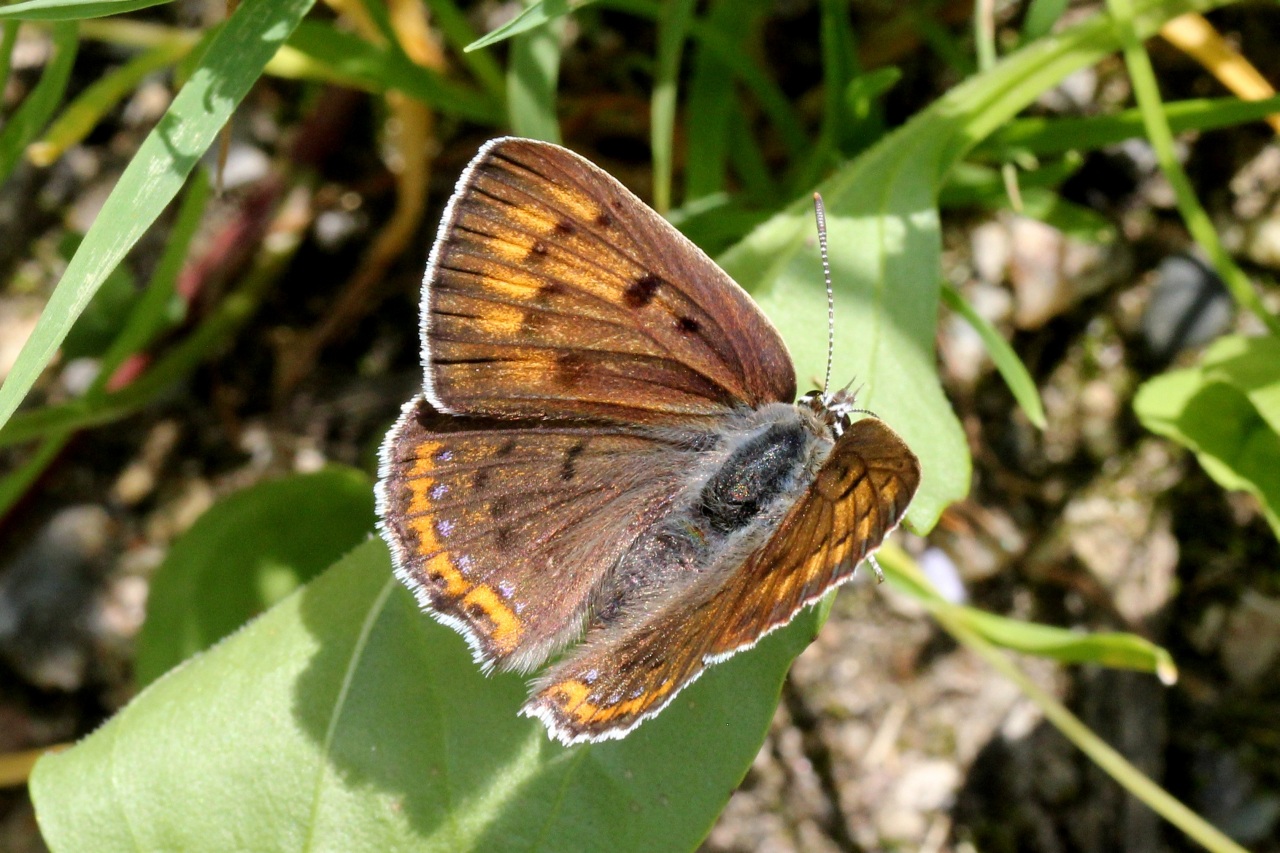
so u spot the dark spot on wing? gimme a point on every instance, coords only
(604, 220)
(642, 290)
(481, 479)
(499, 507)
(568, 468)
(570, 367)
(508, 447)
(532, 323)
(688, 325)
(564, 228)
(537, 251)
(502, 537)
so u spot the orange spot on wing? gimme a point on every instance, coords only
(573, 701)
(441, 565)
(506, 625)
(425, 527)
(579, 206)
(420, 488)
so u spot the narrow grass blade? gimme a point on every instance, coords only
(37, 108)
(534, 15)
(531, 82)
(156, 312)
(773, 101)
(1147, 92)
(1011, 368)
(457, 31)
(73, 10)
(83, 114)
(672, 29)
(710, 100)
(1040, 18)
(1049, 136)
(902, 570)
(233, 62)
(352, 61)
(8, 38)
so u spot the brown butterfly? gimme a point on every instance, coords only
(623, 466)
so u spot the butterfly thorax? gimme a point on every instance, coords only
(737, 494)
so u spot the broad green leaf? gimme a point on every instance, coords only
(233, 61)
(245, 554)
(886, 252)
(344, 719)
(1227, 410)
(72, 10)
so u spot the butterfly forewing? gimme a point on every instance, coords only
(618, 678)
(505, 534)
(554, 292)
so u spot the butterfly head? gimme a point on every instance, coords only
(832, 408)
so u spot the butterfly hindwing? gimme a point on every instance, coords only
(620, 677)
(505, 534)
(553, 291)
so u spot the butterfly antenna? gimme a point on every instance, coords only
(821, 214)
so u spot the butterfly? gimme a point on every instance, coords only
(607, 466)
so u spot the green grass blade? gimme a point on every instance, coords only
(72, 10)
(672, 29)
(8, 38)
(156, 311)
(773, 101)
(14, 484)
(839, 69)
(350, 60)
(710, 100)
(1197, 220)
(532, 79)
(458, 33)
(749, 164)
(534, 15)
(230, 66)
(1011, 368)
(83, 114)
(1050, 136)
(1040, 18)
(36, 109)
